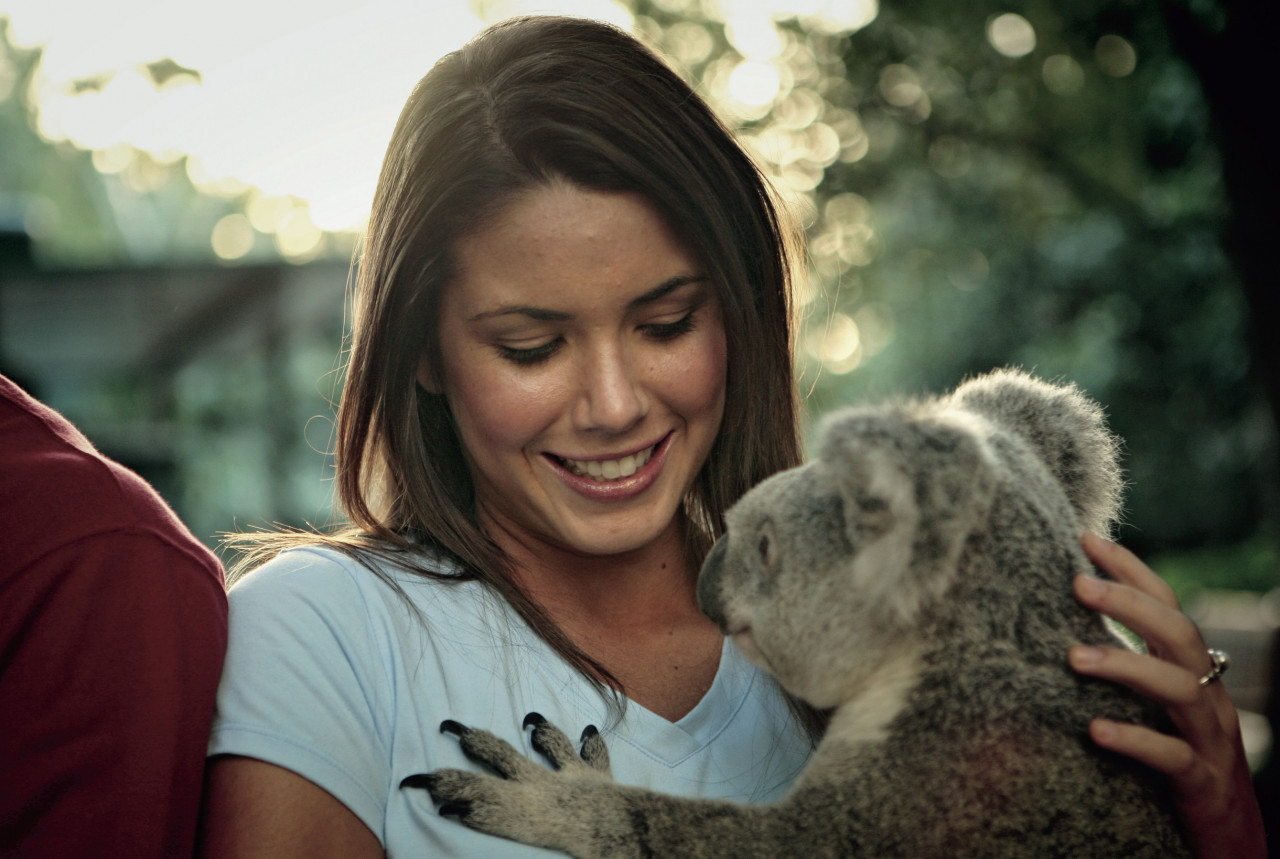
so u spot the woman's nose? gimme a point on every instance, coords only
(612, 397)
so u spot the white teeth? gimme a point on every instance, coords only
(609, 469)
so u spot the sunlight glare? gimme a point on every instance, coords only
(835, 16)
(288, 102)
(754, 36)
(754, 84)
(301, 102)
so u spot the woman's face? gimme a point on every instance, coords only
(583, 355)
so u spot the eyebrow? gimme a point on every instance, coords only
(543, 314)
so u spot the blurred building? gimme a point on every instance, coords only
(214, 382)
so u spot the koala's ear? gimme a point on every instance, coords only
(913, 487)
(1064, 428)
(856, 460)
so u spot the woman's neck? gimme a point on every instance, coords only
(636, 613)
(629, 589)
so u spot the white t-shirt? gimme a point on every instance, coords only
(331, 675)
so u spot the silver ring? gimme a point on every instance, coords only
(1221, 662)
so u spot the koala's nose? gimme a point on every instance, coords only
(709, 583)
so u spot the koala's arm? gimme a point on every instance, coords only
(578, 808)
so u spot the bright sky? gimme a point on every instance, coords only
(298, 100)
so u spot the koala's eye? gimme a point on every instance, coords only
(768, 549)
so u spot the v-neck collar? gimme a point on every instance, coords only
(673, 742)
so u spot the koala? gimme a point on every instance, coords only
(914, 579)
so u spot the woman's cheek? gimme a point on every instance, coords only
(509, 406)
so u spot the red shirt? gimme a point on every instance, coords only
(113, 626)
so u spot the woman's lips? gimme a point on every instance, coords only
(613, 479)
(609, 469)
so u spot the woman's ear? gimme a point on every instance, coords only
(427, 376)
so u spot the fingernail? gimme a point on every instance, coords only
(1103, 732)
(1083, 656)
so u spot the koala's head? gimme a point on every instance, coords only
(825, 569)
(829, 570)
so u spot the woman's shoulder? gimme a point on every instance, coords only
(324, 566)
(401, 588)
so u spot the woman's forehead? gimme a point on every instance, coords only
(560, 245)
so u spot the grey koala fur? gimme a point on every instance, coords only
(914, 578)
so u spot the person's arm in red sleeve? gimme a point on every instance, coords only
(110, 651)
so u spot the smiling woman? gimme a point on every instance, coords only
(570, 354)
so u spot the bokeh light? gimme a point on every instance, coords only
(1115, 56)
(754, 85)
(837, 344)
(232, 237)
(1011, 35)
(1062, 74)
(277, 105)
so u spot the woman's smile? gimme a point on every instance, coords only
(613, 480)
(605, 468)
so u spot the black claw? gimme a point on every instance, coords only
(448, 726)
(423, 780)
(458, 809)
(534, 720)
(588, 732)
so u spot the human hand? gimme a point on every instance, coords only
(1205, 762)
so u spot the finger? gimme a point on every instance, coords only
(1169, 755)
(1153, 678)
(1167, 632)
(1127, 568)
(1191, 710)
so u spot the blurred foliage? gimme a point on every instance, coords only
(119, 206)
(1248, 565)
(51, 192)
(1061, 208)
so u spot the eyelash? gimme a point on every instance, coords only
(661, 332)
(525, 357)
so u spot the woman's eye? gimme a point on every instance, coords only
(533, 355)
(669, 330)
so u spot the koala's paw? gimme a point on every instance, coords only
(527, 802)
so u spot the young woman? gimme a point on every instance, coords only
(571, 352)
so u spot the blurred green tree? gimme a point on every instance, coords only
(1042, 184)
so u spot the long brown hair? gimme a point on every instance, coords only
(527, 102)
